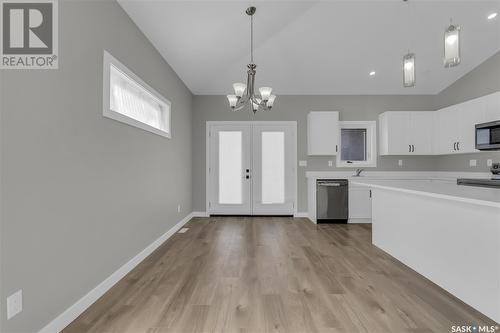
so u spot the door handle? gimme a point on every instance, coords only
(247, 177)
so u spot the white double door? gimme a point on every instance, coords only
(251, 168)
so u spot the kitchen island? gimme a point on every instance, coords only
(448, 233)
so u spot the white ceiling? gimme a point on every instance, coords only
(316, 47)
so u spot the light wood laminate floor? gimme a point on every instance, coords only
(261, 274)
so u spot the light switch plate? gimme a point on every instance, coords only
(330, 163)
(489, 163)
(302, 163)
(400, 163)
(472, 163)
(14, 304)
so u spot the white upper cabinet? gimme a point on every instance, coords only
(406, 133)
(454, 126)
(490, 106)
(322, 133)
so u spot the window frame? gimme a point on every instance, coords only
(371, 144)
(108, 61)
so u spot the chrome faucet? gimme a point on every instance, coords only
(358, 172)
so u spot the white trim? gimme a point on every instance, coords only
(207, 154)
(301, 215)
(70, 314)
(371, 143)
(200, 214)
(109, 60)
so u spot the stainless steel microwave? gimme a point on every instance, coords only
(488, 136)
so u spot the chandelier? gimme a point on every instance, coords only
(244, 93)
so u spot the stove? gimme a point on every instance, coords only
(493, 182)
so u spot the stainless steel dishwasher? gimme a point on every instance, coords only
(332, 197)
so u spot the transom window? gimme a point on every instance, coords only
(130, 100)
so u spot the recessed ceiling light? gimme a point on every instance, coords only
(492, 16)
(372, 73)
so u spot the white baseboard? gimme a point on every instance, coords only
(65, 318)
(360, 220)
(200, 214)
(301, 214)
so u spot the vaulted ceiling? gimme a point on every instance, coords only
(316, 47)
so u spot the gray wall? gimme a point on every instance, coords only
(483, 80)
(83, 194)
(215, 108)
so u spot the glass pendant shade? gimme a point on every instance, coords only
(409, 78)
(452, 46)
(232, 100)
(239, 89)
(270, 101)
(255, 106)
(265, 93)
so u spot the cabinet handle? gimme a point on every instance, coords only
(336, 148)
(458, 145)
(370, 193)
(454, 146)
(409, 148)
(412, 148)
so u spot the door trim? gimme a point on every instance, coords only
(293, 124)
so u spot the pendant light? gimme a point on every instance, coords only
(409, 68)
(409, 78)
(452, 46)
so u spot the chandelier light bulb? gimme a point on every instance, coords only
(239, 89)
(492, 16)
(265, 93)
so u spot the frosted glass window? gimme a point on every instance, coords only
(132, 100)
(273, 167)
(230, 167)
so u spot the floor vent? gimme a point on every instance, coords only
(183, 230)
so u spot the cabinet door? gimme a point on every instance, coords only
(322, 133)
(446, 130)
(491, 107)
(421, 132)
(469, 114)
(398, 132)
(360, 203)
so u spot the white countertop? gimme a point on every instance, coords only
(443, 190)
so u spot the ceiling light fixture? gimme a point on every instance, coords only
(492, 16)
(409, 67)
(244, 93)
(372, 73)
(452, 46)
(409, 76)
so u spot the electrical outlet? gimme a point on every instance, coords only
(178, 208)
(330, 163)
(302, 163)
(489, 163)
(400, 163)
(14, 304)
(472, 163)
